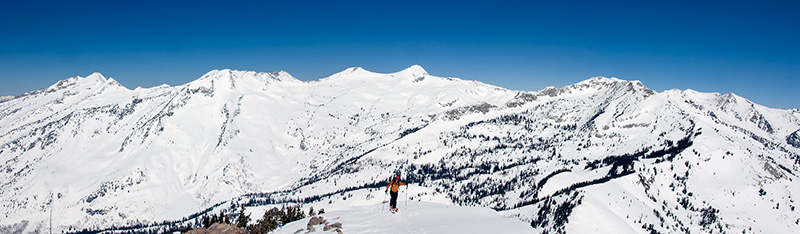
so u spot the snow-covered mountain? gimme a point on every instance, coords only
(602, 154)
(6, 98)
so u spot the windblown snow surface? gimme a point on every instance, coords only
(602, 155)
(415, 217)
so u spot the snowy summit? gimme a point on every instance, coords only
(6, 98)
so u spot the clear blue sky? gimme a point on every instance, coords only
(751, 48)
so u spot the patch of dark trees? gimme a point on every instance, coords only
(794, 139)
(260, 199)
(45, 135)
(546, 178)
(445, 176)
(624, 163)
(708, 217)
(410, 130)
(553, 215)
(590, 122)
(271, 220)
(91, 211)
(620, 166)
(446, 171)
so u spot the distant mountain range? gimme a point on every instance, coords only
(6, 98)
(602, 155)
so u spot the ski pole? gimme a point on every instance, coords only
(406, 196)
(380, 205)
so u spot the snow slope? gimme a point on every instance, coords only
(417, 217)
(103, 157)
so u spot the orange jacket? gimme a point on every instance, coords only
(395, 185)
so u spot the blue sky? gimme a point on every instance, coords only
(746, 47)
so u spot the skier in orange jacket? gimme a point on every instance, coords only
(395, 185)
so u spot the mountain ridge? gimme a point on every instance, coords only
(99, 154)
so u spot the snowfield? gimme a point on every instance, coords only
(417, 217)
(602, 155)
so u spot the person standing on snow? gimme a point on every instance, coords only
(395, 185)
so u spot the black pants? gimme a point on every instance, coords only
(393, 201)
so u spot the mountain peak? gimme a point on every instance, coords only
(352, 71)
(284, 76)
(601, 80)
(96, 75)
(232, 74)
(217, 73)
(100, 79)
(731, 100)
(359, 72)
(94, 78)
(414, 70)
(613, 82)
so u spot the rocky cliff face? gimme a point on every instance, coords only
(100, 156)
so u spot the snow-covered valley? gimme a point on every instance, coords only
(602, 155)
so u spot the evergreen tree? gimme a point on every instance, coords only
(187, 228)
(274, 218)
(292, 213)
(311, 212)
(206, 222)
(242, 220)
